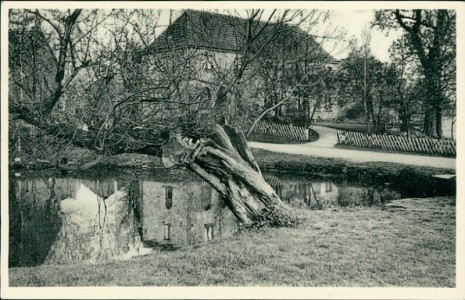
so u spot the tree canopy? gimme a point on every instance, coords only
(430, 35)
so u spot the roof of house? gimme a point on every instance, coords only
(206, 30)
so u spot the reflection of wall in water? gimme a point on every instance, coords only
(184, 213)
(326, 192)
(95, 228)
(358, 196)
(41, 232)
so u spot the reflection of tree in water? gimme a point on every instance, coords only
(135, 200)
(365, 196)
(317, 194)
(34, 220)
(303, 193)
(101, 219)
(15, 234)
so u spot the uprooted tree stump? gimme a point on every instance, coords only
(223, 159)
(226, 162)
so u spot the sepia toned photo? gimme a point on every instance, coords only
(215, 145)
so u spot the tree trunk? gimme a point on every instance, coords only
(428, 123)
(276, 107)
(371, 112)
(404, 124)
(434, 103)
(439, 122)
(225, 161)
(311, 116)
(433, 122)
(367, 116)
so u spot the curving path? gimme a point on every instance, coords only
(325, 147)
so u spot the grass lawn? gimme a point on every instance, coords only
(361, 247)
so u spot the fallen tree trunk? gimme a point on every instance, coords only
(223, 159)
(226, 162)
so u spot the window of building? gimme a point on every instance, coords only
(209, 231)
(166, 232)
(206, 197)
(236, 64)
(168, 197)
(329, 187)
(208, 63)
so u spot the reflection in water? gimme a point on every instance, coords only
(96, 228)
(195, 213)
(317, 194)
(63, 220)
(34, 220)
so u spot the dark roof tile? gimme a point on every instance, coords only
(206, 30)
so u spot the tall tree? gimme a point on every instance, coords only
(431, 35)
(97, 70)
(407, 94)
(294, 70)
(361, 77)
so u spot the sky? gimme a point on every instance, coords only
(354, 22)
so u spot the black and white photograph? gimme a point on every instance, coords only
(231, 150)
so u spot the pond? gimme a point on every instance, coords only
(61, 219)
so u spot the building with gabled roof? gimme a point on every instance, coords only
(225, 33)
(210, 47)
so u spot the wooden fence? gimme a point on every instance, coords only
(290, 131)
(445, 147)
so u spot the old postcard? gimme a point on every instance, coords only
(232, 150)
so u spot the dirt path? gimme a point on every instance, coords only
(324, 147)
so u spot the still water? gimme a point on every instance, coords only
(66, 219)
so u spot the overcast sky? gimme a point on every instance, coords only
(354, 21)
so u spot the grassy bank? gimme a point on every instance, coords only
(350, 247)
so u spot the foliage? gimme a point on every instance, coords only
(407, 92)
(103, 85)
(366, 84)
(353, 112)
(430, 36)
(95, 72)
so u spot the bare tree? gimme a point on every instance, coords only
(407, 95)
(111, 95)
(295, 72)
